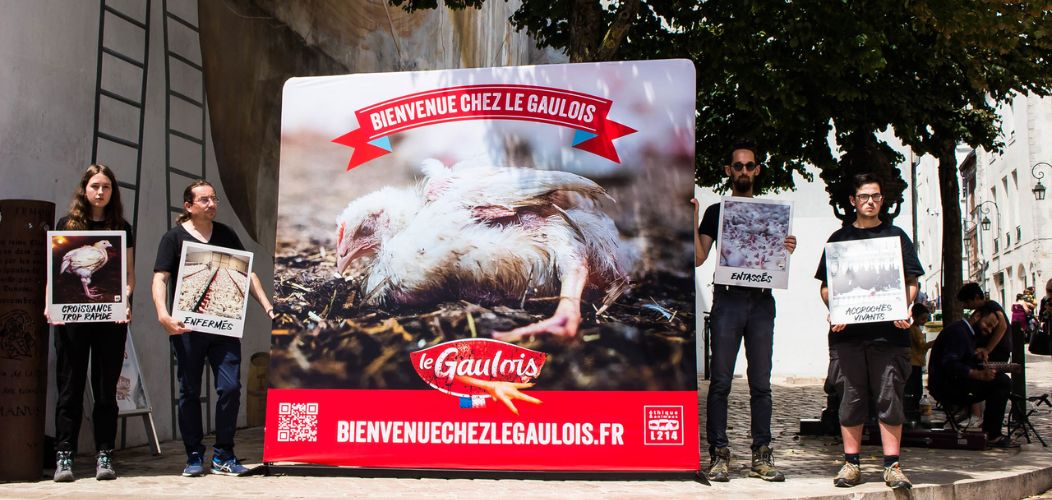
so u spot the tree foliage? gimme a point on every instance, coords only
(805, 78)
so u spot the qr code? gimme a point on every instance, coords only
(297, 422)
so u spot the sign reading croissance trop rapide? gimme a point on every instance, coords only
(487, 269)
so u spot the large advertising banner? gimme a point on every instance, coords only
(87, 276)
(487, 269)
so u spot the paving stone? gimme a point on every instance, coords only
(808, 462)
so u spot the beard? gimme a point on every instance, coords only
(742, 184)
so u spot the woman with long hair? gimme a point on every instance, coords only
(96, 206)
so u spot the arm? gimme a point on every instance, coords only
(702, 242)
(911, 294)
(825, 299)
(160, 291)
(999, 333)
(261, 297)
(130, 265)
(47, 307)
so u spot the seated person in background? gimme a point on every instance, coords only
(995, 345)
(957, 377)
(918, 349)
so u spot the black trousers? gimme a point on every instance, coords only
(75, 344)
(995, 392)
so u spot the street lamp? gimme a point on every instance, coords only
(985, 223)
(1039, 189)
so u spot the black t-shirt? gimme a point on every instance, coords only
(171, 247)
(710, 222)
(911, 266)
(129, 238)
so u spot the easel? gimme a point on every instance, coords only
(1019, 416)
(142, 407)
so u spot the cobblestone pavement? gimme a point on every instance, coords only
(809, 464)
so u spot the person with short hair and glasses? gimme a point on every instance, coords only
(738, 313)
(873, 358)
(192, 349)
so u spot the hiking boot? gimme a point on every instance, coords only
(195, 466)
(104, 466)
(763, 465)
(64, 467)
(849, 475)
(720, 471)
(229, 467)
(894, 477)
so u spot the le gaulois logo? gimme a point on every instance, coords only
(457, 367)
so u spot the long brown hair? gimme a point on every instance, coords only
(80, 209)
(188, 197)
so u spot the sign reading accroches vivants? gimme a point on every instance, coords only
(751, 242)
(487, 269)
(865, 281)
(211, 290)
(87, 276)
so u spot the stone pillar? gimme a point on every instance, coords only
(23, 336)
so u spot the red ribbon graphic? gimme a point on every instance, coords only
(584, 113)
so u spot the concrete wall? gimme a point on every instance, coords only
(1024, 247)
(48, 48)
(49, 51)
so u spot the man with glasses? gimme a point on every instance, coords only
(873, 358)
(738, 313)
(197, 224)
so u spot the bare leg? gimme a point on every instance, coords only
(890, 437)
(853, 438)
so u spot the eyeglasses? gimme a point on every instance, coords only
(206, 199)
(738, 166)
(866, 197)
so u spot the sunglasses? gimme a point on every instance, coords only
(749, 167)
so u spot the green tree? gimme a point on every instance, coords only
(931, 71)
(802, 76)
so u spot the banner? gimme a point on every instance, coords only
(87, 276)
(487, 269)
(211, 289)
(865, 281)
(751, 242)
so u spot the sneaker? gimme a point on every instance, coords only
(849, 475)
(229, 467)
(894, 477)
(763, 465)
(64, 467)
(970, 422)
(104, 466)
(195, 466)
(721, 466)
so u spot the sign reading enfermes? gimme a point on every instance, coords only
(211, 293)
(865, 281)
(751, 243)
(87, 276)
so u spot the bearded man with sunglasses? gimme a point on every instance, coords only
(873, 358)
(738, 313)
